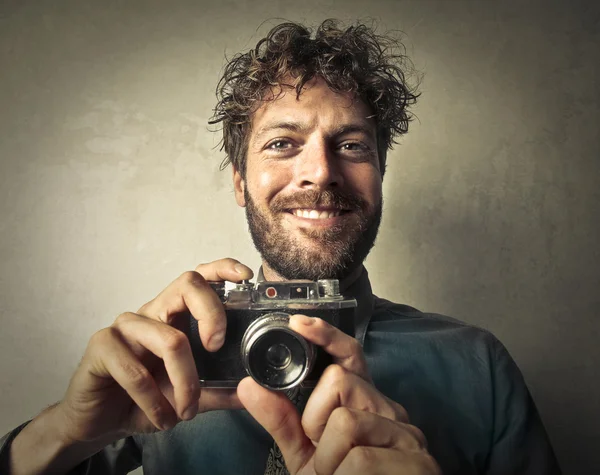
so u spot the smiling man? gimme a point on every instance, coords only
(307, 123)
(312, 182)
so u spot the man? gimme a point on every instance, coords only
(307, 123)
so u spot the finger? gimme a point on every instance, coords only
(167, 303)
(211, 399)
(341, 388)
(173, 347)
(346, 350)
(276, 413)
(348, 428)
(192, 292)
(382, 461)
(227, 269)
(110, 357)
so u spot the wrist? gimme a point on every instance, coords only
(45, 446)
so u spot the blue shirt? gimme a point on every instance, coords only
(457, 382)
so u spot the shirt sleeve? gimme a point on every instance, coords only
(118, 458)
(520, 444)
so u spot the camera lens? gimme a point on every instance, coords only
(279, 356)
(274, 355)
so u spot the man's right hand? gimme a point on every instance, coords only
(138, 375)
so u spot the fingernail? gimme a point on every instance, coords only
(303, 319)
(240, 269)
(216, 341)
(189, 413)
(169, 423)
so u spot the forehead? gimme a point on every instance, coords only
(316, 107)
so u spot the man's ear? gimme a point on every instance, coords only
(239, 186)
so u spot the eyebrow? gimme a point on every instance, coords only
(280, 124)
(352, 128)
(300, 127)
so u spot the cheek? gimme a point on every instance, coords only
(267, 181)
(367, 183)
(377, 189)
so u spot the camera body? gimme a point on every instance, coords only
(259, 342)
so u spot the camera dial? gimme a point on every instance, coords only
(274, 355)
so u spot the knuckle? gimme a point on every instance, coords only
(191, 391)
(156, 412)
(353, 362)
(335, 377)
(138, 376)
(144, 308)
(319, 322)
(363, 458)
(345, 420)
(308, 427)
(389, 409)
(400, 414)
(200, 266)
(174, 340)
(191, 277)
(418, 435)
(123, 318)
(101, 337)
(334, 374)
(355, 347)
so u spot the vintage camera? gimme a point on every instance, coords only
(259, 341)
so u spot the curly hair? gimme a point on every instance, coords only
(352, 60)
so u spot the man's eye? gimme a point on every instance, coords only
(278, 145)
(353, 147)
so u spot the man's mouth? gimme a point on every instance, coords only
(317, 213)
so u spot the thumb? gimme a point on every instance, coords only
(276, 413)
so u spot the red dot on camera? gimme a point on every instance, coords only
(271, 292)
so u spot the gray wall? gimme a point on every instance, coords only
(110, 185)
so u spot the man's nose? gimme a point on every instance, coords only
(318, 167)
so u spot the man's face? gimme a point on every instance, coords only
(312, 189)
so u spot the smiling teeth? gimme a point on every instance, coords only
(314, 214)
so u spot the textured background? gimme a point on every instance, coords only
(110, 185)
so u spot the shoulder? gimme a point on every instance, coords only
(438, 354)
(399, 321)
(442, 370)
(460, 386)
(434, 355)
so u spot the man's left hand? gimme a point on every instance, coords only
(348, 426)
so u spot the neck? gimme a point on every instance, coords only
(269, 274)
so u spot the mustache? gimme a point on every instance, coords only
(319, 199)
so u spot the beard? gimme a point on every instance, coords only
(314, 254)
